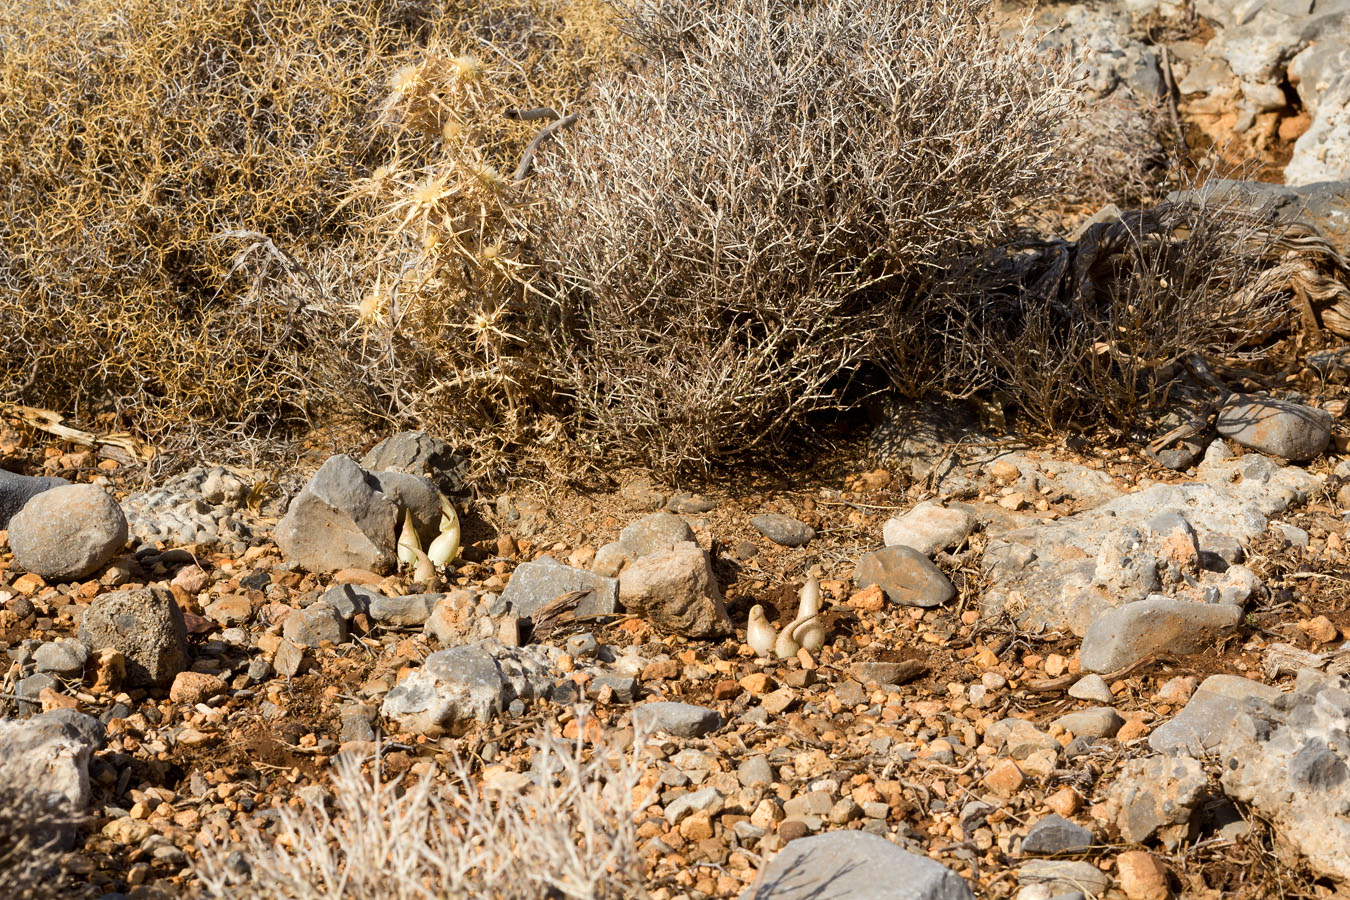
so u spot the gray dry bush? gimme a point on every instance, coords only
(732, 229)
(568, 833)
(1068, 332)
(30, 829)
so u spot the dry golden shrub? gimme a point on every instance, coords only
(174, 244)
(448, 313)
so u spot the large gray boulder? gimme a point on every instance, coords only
(854, 865)
(1127, 634)
(341, 519)
(67, 532)
(1289, 430)
(16, 490)
(147, 626)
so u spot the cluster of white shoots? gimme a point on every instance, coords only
(441, 551)
(806, 631)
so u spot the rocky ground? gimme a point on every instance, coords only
(1070, 670)
(933, 659)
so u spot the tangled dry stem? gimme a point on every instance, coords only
(732, 228)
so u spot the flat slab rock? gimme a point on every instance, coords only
(536, 584)
(854, 865)
(1045, 573)
(1204, 722)
(1122, 636)
(1289, 759)
(677, 719)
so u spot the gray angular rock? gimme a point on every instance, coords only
(49, 755)
(657, 531)
(67, 532)
(16, 490)
(709, 800)
(676, 719)
(676, 590)
(418, 495)
(147, 626)
(350, 599)
(907, 577)
(466, 684)
(1290, 759)
(534, 585)
(1278, 427)
(65, 658)
(854, 865)
(407, 611)
(289, 658)
(419, 453)
(89, 729)
(340, 520)
(783, 530)
(1129, 633)
(1203, 723)
(1053, 835)
(1154, 793)
(311, 627)
(1102, 721)
(755, 771)
(929, 527)
(357, 722)
(1019, 738)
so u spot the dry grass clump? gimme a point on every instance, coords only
(31, 827)
(568, 832)
(732, 229)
